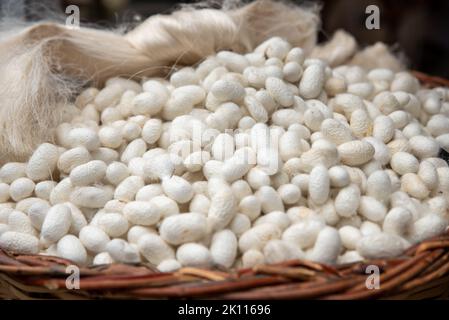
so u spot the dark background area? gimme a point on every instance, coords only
(417, 28)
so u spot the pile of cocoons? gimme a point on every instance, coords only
(243, 160)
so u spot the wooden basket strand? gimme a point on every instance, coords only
(422, 272)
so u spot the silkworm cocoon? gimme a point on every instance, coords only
(237, 166)
(304, 233)
(4, 192)
(85, 137)
(327, 246)
(43, 162)
(313, 118)
(350, 256)
(12, 171)
(381, 74)
(131, 131)
(88, 173)
(94, 239)
(414, 186)
(73, 158)
(348, 103)
(427, 227)
(116, 172)
(148, 192)
(279, 91)
(136, 232)
(338, 177)
(276, 251)
(250, 206)
(166, 206)
(256, 109)
(107, 155)
(354, 153)
(428, 174)
(286, 117)
(56, 223)
(21, 188)
(135, 149)
(326, 155)
(43, 189)
(154, 248)
(86, 97)
(233, 61)
(347, 201)
(399, 145)
(438, 125)
(360, 123)
(127, 189)
(61, 192)
(90, 197)
(383, 128)
(278, 218)
(20, 222)
(142, 213)
(350, 236)
(223, 207)
(424, 147)
(196, 160)
(240, 224)
(361, 89)
(108, 96)
(102, 258)
(182, 101)
(319, 184)
(386, 102)
(443, 178)
(183, 77)
(37, 213)
(269, 199)
(4, 228)
(194, 255)
(380, 245)
(289, 193)
(183, 228)
(223, 248)
(223, 147)
(110, 137)
(292, 71)
(114, 224)
(438, 205)
(402, 163)
(258, 236)
(225, 90)
(379, 186)
(368, 228)
(241, 189)
(335, 131)
(19, 243)
(70, 247)
(122, 251)
(372, 209)
(398, 221)
(312, 81)
(177, 189)
(169, 265)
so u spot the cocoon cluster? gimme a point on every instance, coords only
(246, 159)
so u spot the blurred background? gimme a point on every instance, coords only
(417, 28)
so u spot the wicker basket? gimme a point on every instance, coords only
(422, 272)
